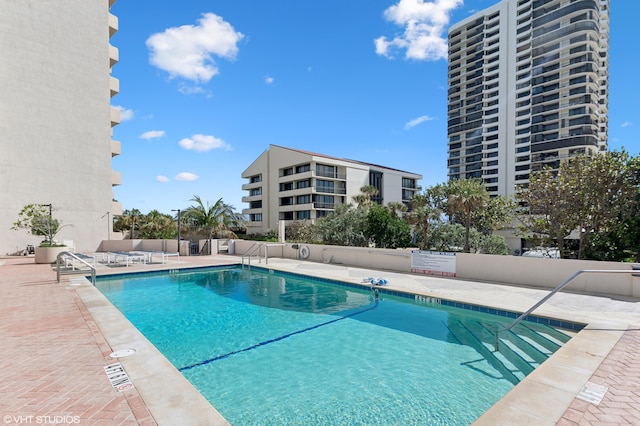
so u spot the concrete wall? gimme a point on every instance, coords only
(168, 246)
(547, 273)
(527, 271)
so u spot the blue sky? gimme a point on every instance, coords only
(207, 85)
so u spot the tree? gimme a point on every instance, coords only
(156, 225)
(396, 208)
(128, 221)
(386, 230)
(547, 213)
(426, 208)
(345, 226)
(37, 219)
(451, 237)
(605, 189)
(219, 219)
(464, 197)
(594, 195)
(364, 198)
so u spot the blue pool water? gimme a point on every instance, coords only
(271, 348)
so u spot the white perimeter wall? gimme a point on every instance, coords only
(527, 271)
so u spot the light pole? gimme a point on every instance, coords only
(178, 210)
(133, 225)
(107, 214)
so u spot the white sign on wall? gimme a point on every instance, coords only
(433, 263)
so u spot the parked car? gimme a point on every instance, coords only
(543, 252)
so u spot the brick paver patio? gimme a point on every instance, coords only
(620, 372)
(52, 355)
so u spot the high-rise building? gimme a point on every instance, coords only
(528, 87)
(56, 120)
(287, 184)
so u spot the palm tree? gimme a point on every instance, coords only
(426, 208)
(219, 219)
(363, 199)
(464, 196)
(396, 208)
(158, 226)
(128, 221)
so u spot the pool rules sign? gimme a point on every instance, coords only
(433, 263)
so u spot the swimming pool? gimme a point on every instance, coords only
(276, 348)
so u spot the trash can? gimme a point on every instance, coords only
(232, 247)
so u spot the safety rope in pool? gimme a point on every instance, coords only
(266, 342)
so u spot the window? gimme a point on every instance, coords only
(303, 184)
(255, 179)
(304, 214)
(255, 191)
(323, 201)
(286, 186)
(303, 168)
(255, 217)
(286, 201)
(325, 186)
(325, 170)
(255, 204)
(303, 199)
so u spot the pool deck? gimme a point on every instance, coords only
(56, 339)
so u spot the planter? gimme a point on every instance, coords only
(48, 254)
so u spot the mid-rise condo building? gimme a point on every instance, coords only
(287, 184)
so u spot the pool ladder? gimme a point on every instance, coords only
(554, 291)
(254, 251)
(73, 255)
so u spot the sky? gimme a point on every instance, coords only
(207, 85)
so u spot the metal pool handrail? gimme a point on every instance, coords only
(67, 253)
(557, 289)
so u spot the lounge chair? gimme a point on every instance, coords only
(127, 257)
(164, 255)
(70, 261)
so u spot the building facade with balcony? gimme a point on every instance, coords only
(528, 88)
(285, 184)
(56, 121)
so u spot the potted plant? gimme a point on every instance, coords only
(37, 219)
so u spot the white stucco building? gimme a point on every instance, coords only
(56, 119)
(288, 184)
(528, 88)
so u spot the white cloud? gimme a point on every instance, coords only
(162, 179)
(203, 143)
(268, 80)
(152, 134)
(186, 176)
(416, 121)
(188, 51)
(627, 124)
(125, 113)
(424, 25)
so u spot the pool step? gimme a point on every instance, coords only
(519, 352)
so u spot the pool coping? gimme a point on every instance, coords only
(171, 398)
